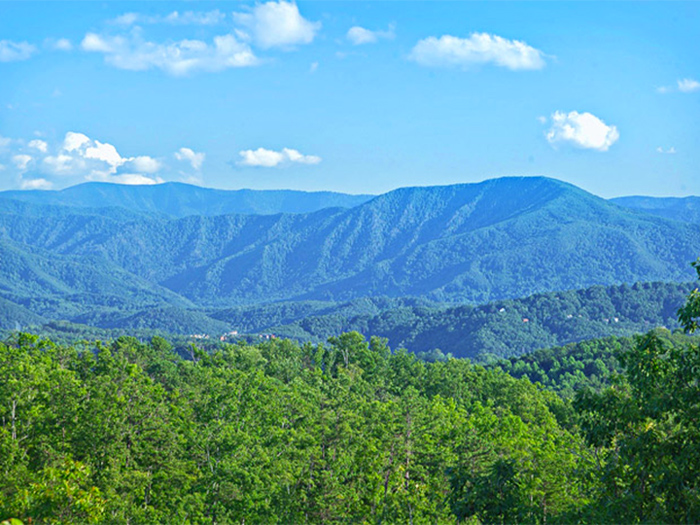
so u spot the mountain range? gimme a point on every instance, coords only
(686, 209)
(116, 250)
(175, 200)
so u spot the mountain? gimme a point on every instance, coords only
(507, 328)
(472, 243)
(175, 200)
(685, 209)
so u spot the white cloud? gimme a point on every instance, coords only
(313, 67)
(478, 48)
(265, 158)
(77, 158)
(176, 58)
(38, 145)
(669, 151)
(145, 164)
(73, 141)
(278, 24)
(15, 51)
(36, 184)
(22, 161)
(583, 130)
(106, 153)
(202, 18)
(62, 44)
(195, 18)
(359, 35)
(130, 179)
(81, 156)
(195, 159)
(127, 19)
(685, 85)
(63, 164)
(688, 85)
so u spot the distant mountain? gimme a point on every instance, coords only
(685, 209)
(504, 329)
(471, 243)
(175, 200)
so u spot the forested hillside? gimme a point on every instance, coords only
(349, 431)
(508, 328)
(501, 329)
(470, 243)
(277, 432)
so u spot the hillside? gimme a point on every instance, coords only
(508, 328)
(471, 243)
(501, 329)
(685, 209)
(175, 200)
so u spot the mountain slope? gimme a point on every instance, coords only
(508, 328)
(176, 200)
(685, 209)
(502, 238)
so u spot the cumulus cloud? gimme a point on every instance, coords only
(176, 58)
(359, 35)
(38, 145)
(265, 158)
(15, 51)
(36, 184)
(583, 130)
(41, 164)
(277, 24)
(187, 155)
(478, 48)
(202, 18)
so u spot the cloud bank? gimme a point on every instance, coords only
(37, 164)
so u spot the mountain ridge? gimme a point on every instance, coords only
(177, 199)
(497, 239)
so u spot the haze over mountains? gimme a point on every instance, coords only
(130, 249)
(174, 199)
(685, 209)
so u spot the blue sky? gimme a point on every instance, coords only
(358, 97)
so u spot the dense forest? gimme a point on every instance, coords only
(483, 333)
(504, 329)
(346, 431)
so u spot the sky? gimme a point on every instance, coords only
(355, 97)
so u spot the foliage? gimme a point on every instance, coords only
(273, 432)
(505, 329)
